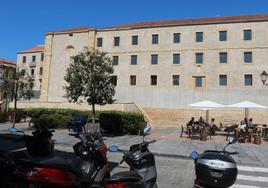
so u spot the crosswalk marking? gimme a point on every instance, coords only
(244, 186)
(252, 178)
(252, 169)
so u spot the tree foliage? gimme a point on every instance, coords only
(89, 78)
(20, 87)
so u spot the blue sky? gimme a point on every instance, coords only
(24, 22)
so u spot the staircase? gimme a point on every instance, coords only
(166, 118)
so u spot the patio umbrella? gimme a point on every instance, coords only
(206, 105)
(246, 105)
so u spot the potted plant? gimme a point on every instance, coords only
(257, 137)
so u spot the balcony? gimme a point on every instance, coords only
(33, 64)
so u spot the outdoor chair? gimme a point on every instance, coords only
(242, 136)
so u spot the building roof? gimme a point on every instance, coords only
(39, 48)
(7, 62)
(194, 21)
(74, 29)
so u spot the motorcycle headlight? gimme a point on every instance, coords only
(85, 167)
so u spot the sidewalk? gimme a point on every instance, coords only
(168, 144)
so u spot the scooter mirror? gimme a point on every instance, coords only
(113, 148)
(147, 130)
(232, 140)
(194, 155)
(13, 130)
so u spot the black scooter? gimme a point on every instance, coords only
(39, 144)
(214, 168)
(87, 168)
(141, 161)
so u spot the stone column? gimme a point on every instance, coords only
(91, 39)
(46, 67)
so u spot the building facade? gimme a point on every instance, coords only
(7, 71)
(31, 60)
(170, 64)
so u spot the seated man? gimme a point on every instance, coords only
(191, 122)
(213, 127)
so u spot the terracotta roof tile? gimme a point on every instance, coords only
(39, 48)
(80, 28)
(4, 61)
(195, 21)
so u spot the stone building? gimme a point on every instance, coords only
(7, 70)
(169, 64)
(32, 60)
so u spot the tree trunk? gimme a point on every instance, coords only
(94, 114)
(6, 105)
(15, 104)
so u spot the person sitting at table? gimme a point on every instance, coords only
(191, 122)
(201, 121)
(250, 124)
(242, 125)
(213, 127)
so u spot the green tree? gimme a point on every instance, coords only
(22, 88)
(89, 78)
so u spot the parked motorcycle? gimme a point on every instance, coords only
(141, 161)
(87, 168)
(39, 144)
(215, 169)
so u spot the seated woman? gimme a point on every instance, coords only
(242, 125)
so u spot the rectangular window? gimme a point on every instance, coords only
(176, 38)
(176, 80)
(135, 40)
(114, 80)
(199, 58)
(198, 81)
(248, 80)
(154, 59)
(32, 72)
(176, 59)
(199, 36)
(223, 57)
(42, 57)
(116, 41)
(33, 58)
(134, 59)
(247, 34)
(153, 80)
(24, 59)
(223, 80)
(155, 39)
(248, 57)
(223, 35)
(41, 71)
(133, 80)
(115, 60)
(99, 42)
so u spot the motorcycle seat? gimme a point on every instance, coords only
(69, 164)
(125, 176)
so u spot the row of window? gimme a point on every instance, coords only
(223, 58)
(24, 58)
(199, 37)
(198, 80)
(40, 71)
